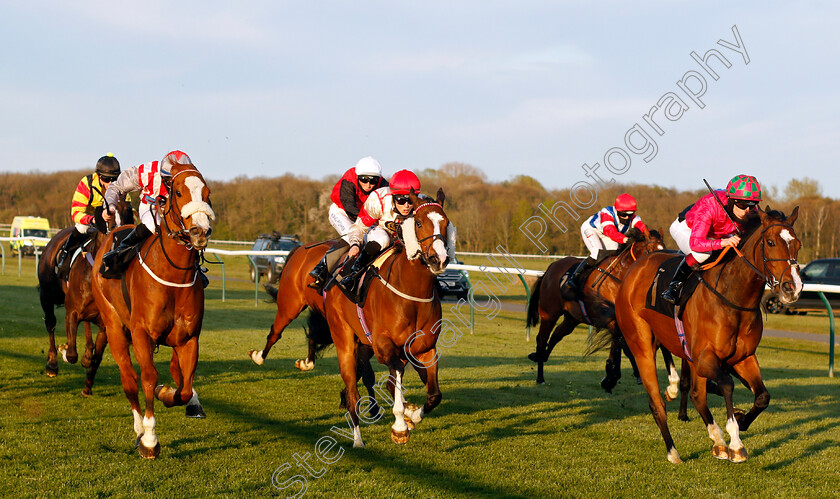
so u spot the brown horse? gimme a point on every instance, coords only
(402, 317)
(160, 301)
(722, 324)
(77, 297)
(547, 305)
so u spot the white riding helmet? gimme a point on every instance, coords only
(368, 166)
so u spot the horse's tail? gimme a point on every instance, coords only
(534, 304)
(272, 292)
(318, 332)
(607, 330)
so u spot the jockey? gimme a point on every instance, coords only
(153, 180)
(88, 197)
(712, 223)
(348, 196)
(605, 230)
(384, 208)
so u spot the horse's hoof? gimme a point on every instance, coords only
(147, 453)
(158, 389)
(195, 411)
(671, 395)
(137, 441)
(400, 437)
(256, 357)
(720, 451)
(683, 417)
(304, 365)
(85, 362)
(51, 370)
(738, 455)
(739, 418)
(533, 357)
(638, 380)
(409, 423)
(86, 392)
(608, 384)
(674, 456)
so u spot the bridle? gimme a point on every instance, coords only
(767, 276)
(182, 236)
(433, 237)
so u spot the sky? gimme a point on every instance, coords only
(537, 88)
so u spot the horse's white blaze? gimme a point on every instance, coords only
(438, 245)
(198, 209)
(734, 434)
(149, 438)
(399, 407)
(788, 238)
(138, 422)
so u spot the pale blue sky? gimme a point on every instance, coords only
(526, 87)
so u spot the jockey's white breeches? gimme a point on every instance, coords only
(340, 221)
(681, 233)
(595, 240)
(148, 216)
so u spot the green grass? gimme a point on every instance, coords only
(496, 433)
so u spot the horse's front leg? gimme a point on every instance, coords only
(71, 326)
(95, 360)
(288, 308)
(707, 365)
(750, 373)
(89, 346)
(51, 369)
(149, 446)
(399, 430)
(426, 365)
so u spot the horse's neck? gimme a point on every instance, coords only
(176, 254)
(739, 270)
(413, 271)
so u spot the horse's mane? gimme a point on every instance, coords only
(655, 234)
(753, 221)
(634, 235)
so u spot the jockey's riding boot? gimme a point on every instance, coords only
(672, 294)
(62, 264)
(572, 284)
(112, 259)
(321, 272)
(359, 264)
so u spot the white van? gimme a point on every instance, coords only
(29, 227)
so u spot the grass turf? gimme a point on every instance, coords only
(496, 433)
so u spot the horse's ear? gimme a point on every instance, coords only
(415, 200)
(793, 215)
(441, 197)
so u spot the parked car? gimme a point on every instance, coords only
(454, 283)
(29, 227)
(271, 266)
(823, 271)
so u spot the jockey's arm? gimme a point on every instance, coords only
(128, 181)
(80, 202)
(347, 194)
(611, 231)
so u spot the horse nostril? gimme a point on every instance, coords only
(788, 287)
(434, 260)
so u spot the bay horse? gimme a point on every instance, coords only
(160, 301)
(76, 295)
(547, 305)
(401, 318)
(722, 325)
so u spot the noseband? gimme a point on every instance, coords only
(767, 276)
(433, 237)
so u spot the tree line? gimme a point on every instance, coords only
(488, 214)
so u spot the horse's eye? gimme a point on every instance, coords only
(418, 224)
(771, 243)
(178, 193)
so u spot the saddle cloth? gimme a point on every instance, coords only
(359, 294)
(660, 283)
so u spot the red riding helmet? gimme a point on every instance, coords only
(171, 159)
(744, 187)
(625, 202)
(403, 181)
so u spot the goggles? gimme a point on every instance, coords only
(625, 214)
(401, 199)
(745, 204)
(107, 178)
(368, 179)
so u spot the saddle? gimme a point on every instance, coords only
(124, 259)
(359, 293)
(664, 275)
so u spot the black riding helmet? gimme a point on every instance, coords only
(108, 166)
